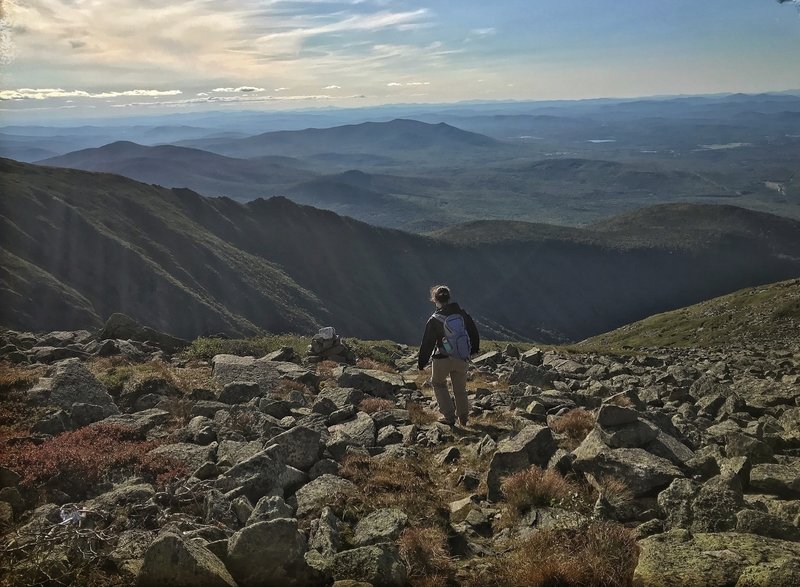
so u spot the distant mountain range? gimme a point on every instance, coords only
(402, 139)
(77, 246)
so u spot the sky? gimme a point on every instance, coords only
(151, 56)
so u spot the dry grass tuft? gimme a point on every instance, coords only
(576, 424)
(375, 404)
(375, 365)
(425, 554)
(599, 554)
(286, 386)
(400, 483)
(616, 491)
(325, 370)
(14, 377)
(420, 415)
(537, 487)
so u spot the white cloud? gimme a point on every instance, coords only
(280, 89)
(484, 32)
(242, 89)
(48, 93)
(240, 99)
(399, 84)
(332, 87)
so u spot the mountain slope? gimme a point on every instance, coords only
(202, 171)
(768, 313)
(85, 245)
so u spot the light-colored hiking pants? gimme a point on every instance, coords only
(457, 370)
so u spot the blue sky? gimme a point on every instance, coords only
(131, 56)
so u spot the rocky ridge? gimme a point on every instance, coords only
(280, 471)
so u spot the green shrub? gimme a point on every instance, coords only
(206, 348)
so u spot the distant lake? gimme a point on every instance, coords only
(602, 141)
(715, 147)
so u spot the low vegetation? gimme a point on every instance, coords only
(375, 404)
(426, 556)
(537, 487)
(596, 554)
(206, 348)
(764, 312)
(576, 424)
(81, 459)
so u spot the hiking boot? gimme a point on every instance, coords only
(445, 421)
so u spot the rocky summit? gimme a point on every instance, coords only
(129, 457)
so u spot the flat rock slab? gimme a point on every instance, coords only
(383, 525)
(267, 374)
(778, 479)
(679, 558)
(192, 455)
(371, 381)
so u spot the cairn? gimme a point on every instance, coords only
(326, 345)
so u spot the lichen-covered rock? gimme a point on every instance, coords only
(72, 383)
(299, 447)
(271, 554)
(314, 495)
(678, 558)
(268, 508)
(780, 479)
(378, 565)
(173, 561)
(382, 525)
(253, 477)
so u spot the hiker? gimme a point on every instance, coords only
(450, 339)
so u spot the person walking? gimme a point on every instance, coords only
(450, 338)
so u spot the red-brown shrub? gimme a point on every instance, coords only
(80, 459)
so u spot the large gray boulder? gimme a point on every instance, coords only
(173, 561)
(781, 479)
(267, 374)
(313, 496)
(641, 471)
(271, 554)
(298, 447)
(378, 383)
(533, 445)
(120, 326)
(360, 431)
(710, 507)
(678, 558)
(70, 384)
(268, 508)
(378, 565)
(383, 525)
(253, 477)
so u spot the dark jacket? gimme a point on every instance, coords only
(432, 341)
